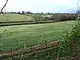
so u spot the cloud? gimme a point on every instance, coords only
(40, 5)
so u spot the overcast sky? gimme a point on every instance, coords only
(54, 6)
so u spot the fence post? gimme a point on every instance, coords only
(58, 52)
(12, 56)
(21, 55)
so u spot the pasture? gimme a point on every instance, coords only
(18, 36)
(13, 17)
(18, 17)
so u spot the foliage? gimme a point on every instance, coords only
(23, 12)
(75, 33)
(73, 38)
(78, 18)
(65, 49)
(28, 12)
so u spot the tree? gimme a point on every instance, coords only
(4, 6)
(23, 12)
(42, 13)
(28, 12)
(78, 14)
(18, 12)
(78, 11)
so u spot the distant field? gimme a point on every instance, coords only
(17, 17)
(17, 36)
(14, 17)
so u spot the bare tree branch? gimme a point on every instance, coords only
(4, 15)
(3, 9)
(4, 6)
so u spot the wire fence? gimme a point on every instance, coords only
(39, 52)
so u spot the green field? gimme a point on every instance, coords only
(18, 36)
(18, 17)
(13, 17)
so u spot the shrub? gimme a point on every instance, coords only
(73, 39)
(78, 18)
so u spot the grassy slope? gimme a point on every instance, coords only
(18, 17)
(37, 34)
(14, 17)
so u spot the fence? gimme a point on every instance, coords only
(46, 51)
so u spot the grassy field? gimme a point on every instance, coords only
(18, 36)
(18, 17)
(14, 17)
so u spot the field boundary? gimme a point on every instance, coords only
(23, 23)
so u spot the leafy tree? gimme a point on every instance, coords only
(23, 12)
(18, 13)
(28, 12)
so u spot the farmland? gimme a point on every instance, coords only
(12, 17)
(35, 36)
(18, 17)
(39, 32)
(17, 36)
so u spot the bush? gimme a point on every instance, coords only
(78, 18)
(73, 39)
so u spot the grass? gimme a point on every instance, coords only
(14, 17)
(17, 36)
(18, 17)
